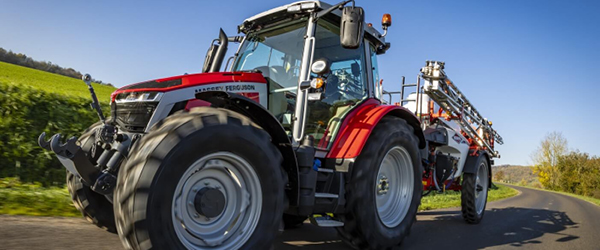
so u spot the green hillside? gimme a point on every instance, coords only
(32, 102)
(53, 83)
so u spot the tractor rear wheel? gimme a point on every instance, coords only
(95, 207)
(474, 193)
(204, 179)
(385, 189)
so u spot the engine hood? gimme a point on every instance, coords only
(185, 81)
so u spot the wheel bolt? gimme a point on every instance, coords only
(196, 215)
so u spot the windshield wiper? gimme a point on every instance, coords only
(332, 8)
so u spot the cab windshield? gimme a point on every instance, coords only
(277, 54)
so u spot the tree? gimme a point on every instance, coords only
(579, 173)
(499, 176)
(523, 182)
(546, 158)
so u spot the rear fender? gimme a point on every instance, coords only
(259, 115)
(360, 122)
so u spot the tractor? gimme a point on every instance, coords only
(295, 127)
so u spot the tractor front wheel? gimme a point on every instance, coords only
(95, 207)
(385, 190)
(204, 179)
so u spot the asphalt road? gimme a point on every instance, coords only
(532, 220)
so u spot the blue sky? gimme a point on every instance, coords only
(530, 66)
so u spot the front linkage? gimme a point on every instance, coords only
(101, 175)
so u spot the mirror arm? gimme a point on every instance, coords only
(332, 8)
(304, 85)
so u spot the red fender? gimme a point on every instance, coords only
(359, 123)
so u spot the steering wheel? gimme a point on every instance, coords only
(350, 89)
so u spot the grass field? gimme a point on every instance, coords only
(452, 198)
(10, 73)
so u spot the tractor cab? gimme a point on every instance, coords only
(319, 61)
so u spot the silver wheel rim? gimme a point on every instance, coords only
(394, 187)
(481, 188)
(240, 186)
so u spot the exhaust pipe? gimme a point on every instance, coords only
(220, 55)
(216, 53)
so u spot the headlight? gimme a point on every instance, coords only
(138, 97)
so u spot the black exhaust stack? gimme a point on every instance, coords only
(216, 54)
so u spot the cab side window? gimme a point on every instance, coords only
(375, 67)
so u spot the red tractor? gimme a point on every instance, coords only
(297, 128)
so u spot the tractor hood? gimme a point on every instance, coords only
(191, 80)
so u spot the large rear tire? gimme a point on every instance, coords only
(207, 179)
(385, 189)
(95, 207)
(474, 192)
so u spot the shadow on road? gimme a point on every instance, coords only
(511, 226)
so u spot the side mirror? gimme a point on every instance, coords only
(351, 27)
(320, 67)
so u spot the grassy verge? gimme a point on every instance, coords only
(32, 199)
(585, 198)
(452, 198)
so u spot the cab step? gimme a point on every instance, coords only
(325, 170)
(325, 221)
(326, 195)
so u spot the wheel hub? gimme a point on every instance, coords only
(217, 203)
(394, 186)
(209, 202)
(383, 186)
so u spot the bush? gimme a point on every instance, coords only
(26, 112)
(580, 174)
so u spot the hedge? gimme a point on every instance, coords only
(25, 112)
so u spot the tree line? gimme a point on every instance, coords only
(25, 61)
(561, 169)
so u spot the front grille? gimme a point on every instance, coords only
(133, 116)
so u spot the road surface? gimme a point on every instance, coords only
(532, 220)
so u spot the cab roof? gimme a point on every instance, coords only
(280, 14)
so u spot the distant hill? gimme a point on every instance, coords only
(522, 175)
(23, 60)
(49, 82)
